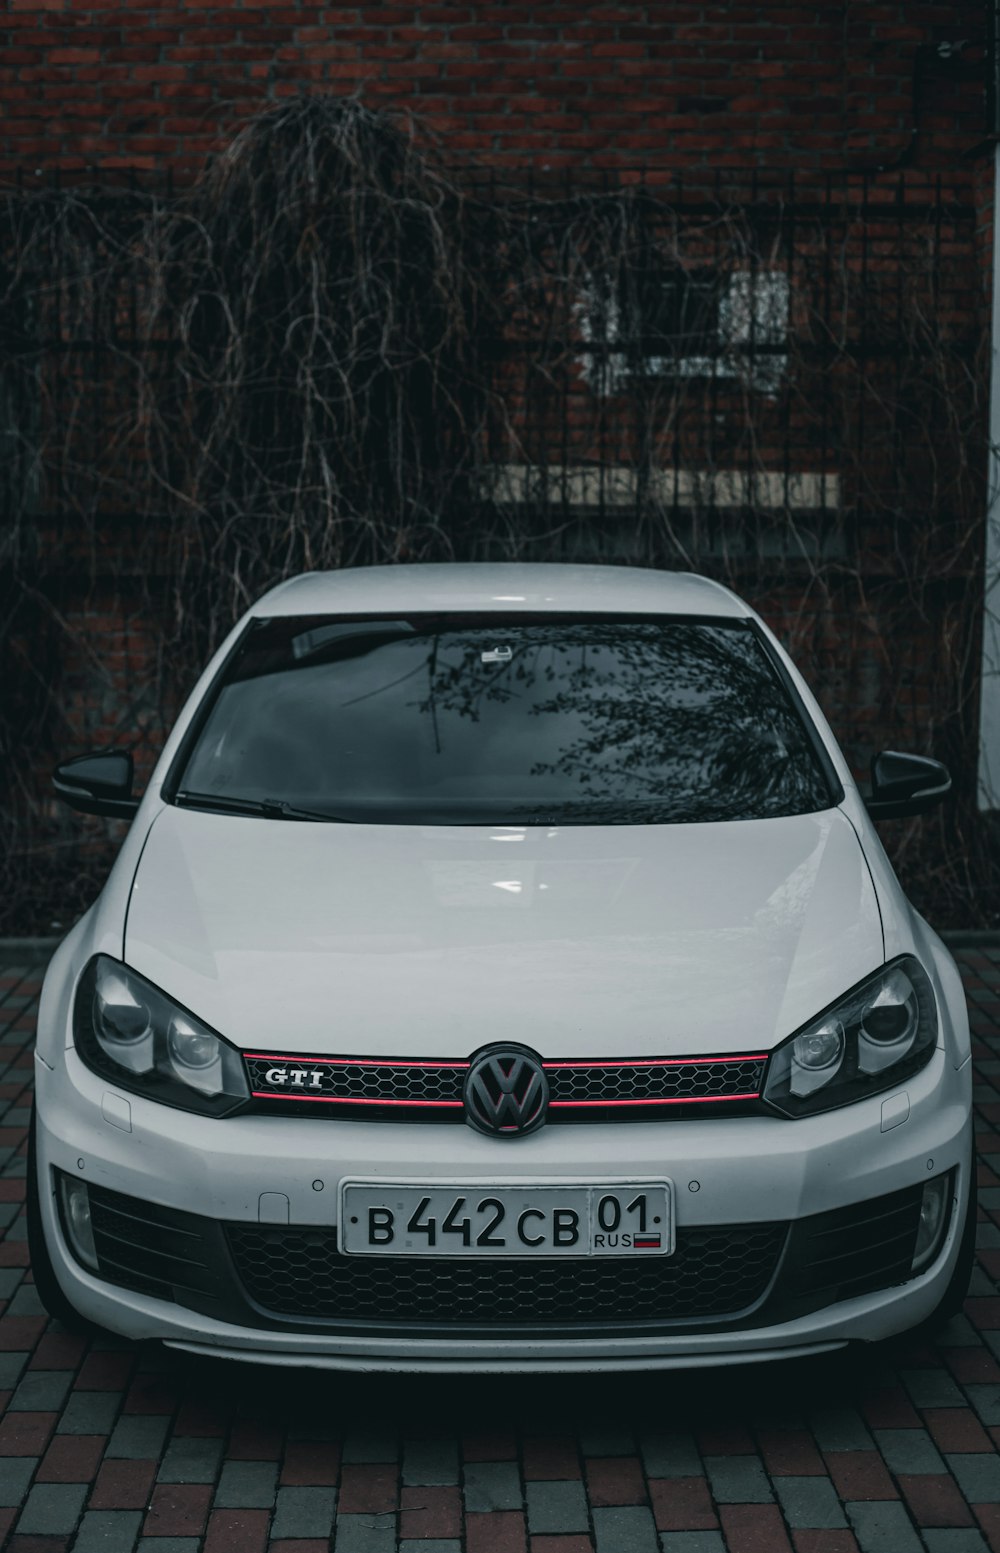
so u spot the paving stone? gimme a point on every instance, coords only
(15, 1474)
(625, 1529)
(91, 1412)
(883, 1527)
(428, 1510)
(932, 1388)
(909, 1451)
(492, 1485)
(139, 1436)
(430, 1545)
(368, 1488)
(11, 1365)
(501, 1531)
(52, 1508)
(557, 1507)
(986, 1401)
(237, 1531)
(191, 1459)
(840, 1429)
(682, 1504)
(247, 1485)
(615, 1480)
(954, 1540)
(178, 1509)
(26, 1302)
(738, 1480)
(430, 1461)
(123, 1485)
(692, 1542)
(809, 1502)
(168, 1545)
(978, 1476)
(108, 1531)
(365, 1534)
(670, 1455)
(41, 1391)
(304, 1512)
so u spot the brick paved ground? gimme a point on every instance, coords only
(108, 1446)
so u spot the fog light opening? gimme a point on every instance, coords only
(76, 1220)
(935, 1212)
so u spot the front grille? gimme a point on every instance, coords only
(399, 1089)
(300, 1272)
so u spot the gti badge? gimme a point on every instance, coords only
(298, 1078)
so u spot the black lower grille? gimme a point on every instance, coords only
(154, 1250)
(294, 1277)
(853, 1250)
(300, 1272)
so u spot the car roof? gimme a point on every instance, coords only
(507, 587)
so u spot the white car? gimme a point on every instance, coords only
(502, 971)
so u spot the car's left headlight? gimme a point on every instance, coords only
(131, 1033)
(880, 1033)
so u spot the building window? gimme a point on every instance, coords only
(677, 323)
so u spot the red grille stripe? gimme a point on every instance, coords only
(354, 1062)
(278, 1094)
(672, 1100)
(655, 1062)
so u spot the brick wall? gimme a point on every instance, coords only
(659, 84)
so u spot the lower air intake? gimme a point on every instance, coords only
(300, 1272)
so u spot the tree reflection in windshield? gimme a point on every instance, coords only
(561, 721)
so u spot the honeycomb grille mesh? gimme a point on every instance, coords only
(300, 1272)
(679, 1081)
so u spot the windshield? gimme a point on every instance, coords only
(489, 721)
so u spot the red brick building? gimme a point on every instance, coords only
(812, 86)
(780, 380)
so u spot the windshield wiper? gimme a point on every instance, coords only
(269, 808)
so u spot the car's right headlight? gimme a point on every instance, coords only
(130, 1032)
(876, 1036)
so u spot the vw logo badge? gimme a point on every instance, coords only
(506, 1093)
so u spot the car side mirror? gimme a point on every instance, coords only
(905, 784)
(98, 784)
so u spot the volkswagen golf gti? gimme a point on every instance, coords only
(502, 971)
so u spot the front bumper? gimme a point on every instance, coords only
(726, 1171)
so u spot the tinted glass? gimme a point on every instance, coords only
(444, 721)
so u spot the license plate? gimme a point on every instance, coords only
(506, 1219)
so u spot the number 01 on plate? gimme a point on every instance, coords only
(506, 1219)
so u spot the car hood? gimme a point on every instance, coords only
(578, 941)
